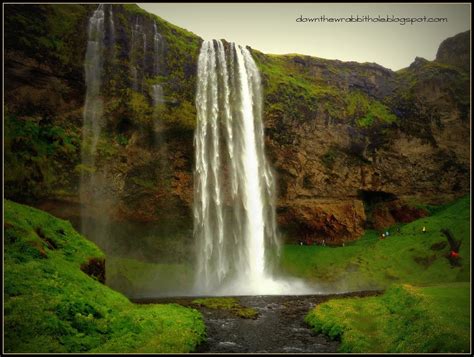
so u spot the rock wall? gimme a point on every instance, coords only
(336, 132)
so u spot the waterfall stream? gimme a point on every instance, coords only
(234, 210)
(138, 55)
(94, 190)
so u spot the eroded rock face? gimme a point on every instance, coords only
(386, 214)
(322, 154)
(330, 221)
(95, 267)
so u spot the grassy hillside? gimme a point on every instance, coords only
(426, 307)
(51, 305)
(405, 319)
(408, 256)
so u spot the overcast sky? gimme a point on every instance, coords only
(272, 28)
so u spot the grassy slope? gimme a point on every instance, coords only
(430, 314)
(405, 319)
(404, 257)
(52, 306)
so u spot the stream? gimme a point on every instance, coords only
(279, 327)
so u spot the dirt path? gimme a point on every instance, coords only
(279, 328)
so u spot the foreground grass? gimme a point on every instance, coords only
(426, 307)
(405, 319)
(228, 304)
(50, 305)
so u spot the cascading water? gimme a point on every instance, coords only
(112, 32)
(93, 75)
(234, 212)
(96, 200)
(157, 89)
(157, 49)
(157, 94)
(90, 181)
(138, 56)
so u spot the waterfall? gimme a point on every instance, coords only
(112, 32)
(95, 200)
(157, 94)
(138, 56)
(157, 49)
(157, 89)
(234, 193)
(93, 75)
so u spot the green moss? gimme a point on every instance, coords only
(295, 91)
(52, 306)
(47, 33)
(330, 157)
(405, 319)
(36, 150)
(182, 116)
(121, 140)
(140, 108)
(229, 304)
(367, 112)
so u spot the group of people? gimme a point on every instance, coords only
(387, 233)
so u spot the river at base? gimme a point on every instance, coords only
(279, 327)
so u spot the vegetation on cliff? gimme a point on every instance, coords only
(45, 50)
(421, 109)
(51, 305)
(304, 88)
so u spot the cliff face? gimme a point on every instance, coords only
(358, 135)
(455, 51)
(147, 162)
(347, 140)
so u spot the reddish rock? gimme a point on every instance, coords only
(386, 214)
(315, 221)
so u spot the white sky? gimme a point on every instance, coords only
(272, 28)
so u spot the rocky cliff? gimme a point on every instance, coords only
(353, 145)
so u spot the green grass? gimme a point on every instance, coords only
(426, 307)
(229, 304)
(405, 319)
(50, 305)
(405, 257)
